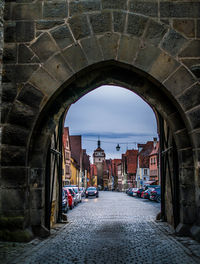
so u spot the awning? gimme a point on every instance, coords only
(149, 182)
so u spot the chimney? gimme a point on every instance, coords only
(154, 141)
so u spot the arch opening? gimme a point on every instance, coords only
(124, 76)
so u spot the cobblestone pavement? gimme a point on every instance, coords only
(114, 228)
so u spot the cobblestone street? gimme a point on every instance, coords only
(115, 228)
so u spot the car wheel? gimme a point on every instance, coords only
(97, 196)
(86, 196)
(158, 200)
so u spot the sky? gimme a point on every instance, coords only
(115, 115)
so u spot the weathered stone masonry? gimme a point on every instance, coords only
(57, 51)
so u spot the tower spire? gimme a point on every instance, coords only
(99, 142)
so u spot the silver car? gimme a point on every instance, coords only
(78, 194)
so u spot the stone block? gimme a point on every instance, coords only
(163, 67)
(195, 232)
(36, 198)
(91, 49)
(14, 135)
(119, 19)
(190, 98)
(114, 4)
(185, 26)
(173, 42)
(179, 81)
(25, 31)
(196, 136)
(101, 22)
(36, 178)
(136, 25)
(175, 122)
(9, 74)
(194, 117)
(13, 156)
(75, 57)
(48, 24)
(146, 8)
(30, 95)
(13, 177)
(185, 155)
(9, 92)
(198, 28)
(187, 214)
(5, 108)
(183, 229)
(192, 50)
(187, 176)
(10, 53)
(147, 55)
(62, 36)
(26, 55)
(155, 32)
(179, 9)
(79, 26)
(10, 32)
(36, 216)
(128, 48)
(187, 194)
(109, 45)
(27, 11)
(22, 115)
(58, 68)
(45, 83)
(24, 71)
(81, 6)
(14, 199)
(44, 47)
(54, 9)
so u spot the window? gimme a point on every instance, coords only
(145, 171)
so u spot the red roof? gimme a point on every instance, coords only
(155, 150)
(144, 154)
(131, 157)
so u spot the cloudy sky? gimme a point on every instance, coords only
(116, 115)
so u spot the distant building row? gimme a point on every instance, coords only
(136, 168)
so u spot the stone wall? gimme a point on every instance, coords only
(51, 47)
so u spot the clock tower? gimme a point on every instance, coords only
(98, 159)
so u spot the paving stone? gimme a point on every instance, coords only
(110, 229)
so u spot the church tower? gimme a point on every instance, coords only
(98, 159)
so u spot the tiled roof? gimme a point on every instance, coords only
(144, 154)
(155, 150)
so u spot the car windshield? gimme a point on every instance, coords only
(76, 191)
(91, 189)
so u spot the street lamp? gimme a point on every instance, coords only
(118, 147)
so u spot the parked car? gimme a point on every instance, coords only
(69, 197)
(156, 195)
(139, 192)
(146, 194)
(78, 194)
(65, 205)
(73, 194)
(128, 190)
(134, 191)
(82, 190)
(91, 191)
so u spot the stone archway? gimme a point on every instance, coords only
(61, 60)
